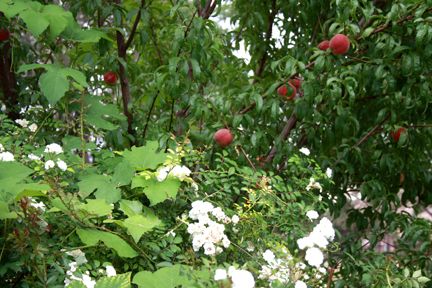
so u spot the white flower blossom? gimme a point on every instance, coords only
(209, 249)
(7, 157)
(33, 127)
(1, 148)
(242, 279)
(300, 284)
(235, 219)
(162, 173)
(312, 214)
(22, 122)
(110, 271)
(314, 257)
(325, 227)
(329, 172)
(62, 165)
(305, 242)
(180, 172)
(207, 233)
(33, 157)
(220, 274)
(314, 185)
(88, 281)
(37, 205)
(53, 148)
(269, 256)
(49, 164)
(305, 151)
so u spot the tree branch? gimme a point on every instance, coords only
(263, 60)
(372, 132)
(290, 124)
(134, 26)
(8, 82)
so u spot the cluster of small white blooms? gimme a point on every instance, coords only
(305, 151)
(110, 271)
(22, 122)
(320, 237)
(1, 147)
(53, 148)
(276, 269)
(37, 205)
(312, 215)
(314, 185)
(208, 233)
(300, 284)
(25, 124)
(79, 259)
(329, 172)
(32, 156)
(180, 172)
(7, 156)
(239, 278)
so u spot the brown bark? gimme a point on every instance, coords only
(8, 82)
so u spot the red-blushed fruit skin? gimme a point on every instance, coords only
(110, 78)
(223, 137)
(339, 44)
(4, 34)
(324, 45)
(396, 134)
(283, 90)
(296, 82)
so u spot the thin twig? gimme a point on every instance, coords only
(372, 132)
(247, 158)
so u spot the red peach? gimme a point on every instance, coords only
(110, 77)
(339, 44)
(324, 45)
(223, 137)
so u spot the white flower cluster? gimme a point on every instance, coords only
(84, 278)
(180, 172)
(239, 278)
(53, 148)
(38, 205)
(321, 235)
(276, 269)
(305, 151)
(208, 233)
(25, 124)
(60, 164)
(314, 185)
(6, 156)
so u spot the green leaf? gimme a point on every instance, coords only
(5, 213)
(78, 76)
(35, 21)
(97, 207)
(53, 85)
(137, 225)
(92, 237)
(11, 174)
(123, 174)
(56, 16)
(156, 191)
(145, 157)
(167, 277)
(118, 281)
(131, 208)
(100, 115)
(12, 8)
(103, 186)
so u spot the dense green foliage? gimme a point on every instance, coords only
(179, 81)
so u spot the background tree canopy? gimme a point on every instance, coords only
(175, 77)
